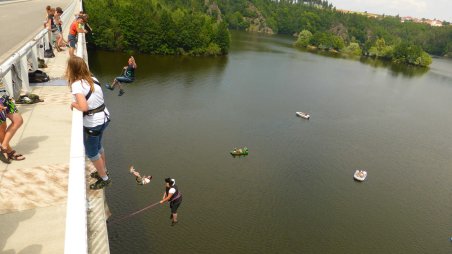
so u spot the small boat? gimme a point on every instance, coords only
(239, 151)
(303, 115)
(360, 175)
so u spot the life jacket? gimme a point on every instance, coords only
(176, 194)
(130, 72)
(101, 108)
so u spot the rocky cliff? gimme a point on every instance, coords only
(257, 21)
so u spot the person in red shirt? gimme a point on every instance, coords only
(76, 27)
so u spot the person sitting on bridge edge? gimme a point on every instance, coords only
(128, 76)
(141, 180)
(9, 110)
(172, 195)
(76, 27)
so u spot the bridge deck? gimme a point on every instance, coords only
(33, 192)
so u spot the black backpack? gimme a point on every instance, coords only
(38, 76)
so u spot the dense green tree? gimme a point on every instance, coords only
(353, 49)
(411, 54)
(327, 41)
(181, 26)
(156, 26)
(303, 39)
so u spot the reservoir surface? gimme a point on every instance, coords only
(294, 192)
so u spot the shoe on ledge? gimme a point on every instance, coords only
(100, 184)
(96, 175)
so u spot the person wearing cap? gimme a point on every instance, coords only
(76, 27)
(172, 195)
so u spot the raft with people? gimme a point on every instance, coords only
(239, 151)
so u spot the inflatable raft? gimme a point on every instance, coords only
(239, 151)
(303, 115)
(360, 175)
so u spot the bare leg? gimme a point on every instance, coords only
(102, 156)
(121, 91)
(2, 132)
(113, 85)
(60, 41)
(100, 167)
(16, 122)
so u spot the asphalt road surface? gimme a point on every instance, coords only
(20, 21)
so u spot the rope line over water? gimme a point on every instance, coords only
(132, 214)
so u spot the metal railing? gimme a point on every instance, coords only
(16, 67)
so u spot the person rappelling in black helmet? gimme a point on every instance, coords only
(173, 196)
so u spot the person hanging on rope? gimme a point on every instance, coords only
(172, 195)
(128, 76)
(141, 180)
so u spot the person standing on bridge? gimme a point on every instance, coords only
(173, 195)
(57, 18)
(128, 76)
(90, 100)
(76, 27)
(53, 28)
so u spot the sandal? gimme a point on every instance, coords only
(15, 156)
(4, 155)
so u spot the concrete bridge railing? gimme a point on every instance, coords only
(76, 237)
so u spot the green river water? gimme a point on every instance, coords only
(295, 191)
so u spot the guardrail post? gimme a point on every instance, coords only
(40, 48)
(8, 81)
(24, 74)
(33, 56)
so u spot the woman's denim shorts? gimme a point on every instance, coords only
(92, 139)
(124, 79)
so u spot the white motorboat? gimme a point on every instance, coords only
(360, 175)
(303, 115)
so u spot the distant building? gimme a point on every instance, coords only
(436, 23)
(431, 22)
